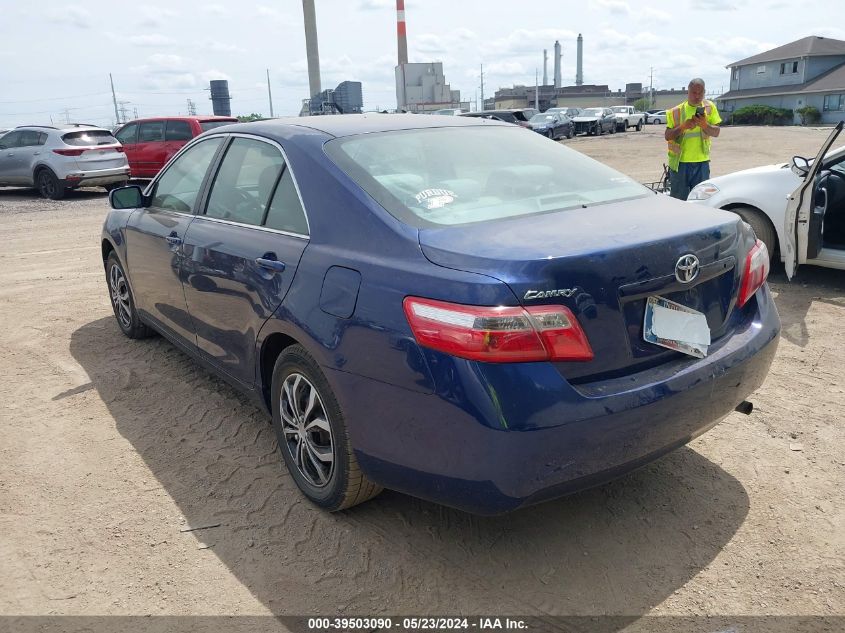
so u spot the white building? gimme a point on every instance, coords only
(423, 88)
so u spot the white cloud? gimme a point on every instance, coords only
(533, 42)
(215, 9)
(278, 16)
(614, 6)
(221, 47)
(153, 39)
(650, 13)
(71, 15)
(155, 17)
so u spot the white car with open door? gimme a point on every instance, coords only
(797, 209)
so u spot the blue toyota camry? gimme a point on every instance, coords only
(455, 308)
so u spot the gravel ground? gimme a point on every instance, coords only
(108, 447)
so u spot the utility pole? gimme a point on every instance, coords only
(651, 85)
(269, 93)
(192, 108)
(67, 115)
(114, 99)
(482, 86)
(536, 90)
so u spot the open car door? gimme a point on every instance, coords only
(805, 211)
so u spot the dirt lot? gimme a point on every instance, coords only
(108, 447)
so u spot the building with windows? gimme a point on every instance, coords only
(807, 72)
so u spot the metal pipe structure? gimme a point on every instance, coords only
(401, 32)
(311, 49)
(545, 67)
(579, 73)
(557, 64)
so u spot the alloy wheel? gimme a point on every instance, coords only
(307, 433)
(120, 297)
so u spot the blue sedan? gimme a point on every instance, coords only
(450, 307)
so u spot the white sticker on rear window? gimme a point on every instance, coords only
(435, 198)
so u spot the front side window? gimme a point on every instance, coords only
(179, 185)
(151, 131)
(246, 179)
(12, 139)
(460, 175)
(128, 135)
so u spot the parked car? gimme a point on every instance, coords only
(648, 114)
(553, 125)
(483, 330)
(767, 199)
(519, 116)
(150, 143)
(628, 116)
(569, 112)
(55, 159)
(595, 121)
(449, 111)
(658, 118)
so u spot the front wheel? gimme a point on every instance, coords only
(122, 301)
(763, 228)
(598, 130)
(312, 434)
(639, 125)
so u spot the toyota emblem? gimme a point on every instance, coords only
(687, 269)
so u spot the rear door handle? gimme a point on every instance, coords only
(271, 264)
(173, 240)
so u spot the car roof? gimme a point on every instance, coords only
(198, 117)
(68, 127)
(339, 125)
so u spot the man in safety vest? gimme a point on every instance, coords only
(689, 128)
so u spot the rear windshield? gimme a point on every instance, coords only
(210, 125)
(461, 175)
(89, 137)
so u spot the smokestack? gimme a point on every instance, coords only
(311, 50)
(579, 73)
(557, 64)
(220, 99)
(401, 33)
(545, 67)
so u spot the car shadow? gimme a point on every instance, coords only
(794, 298)
(621, 548)
(27, 193)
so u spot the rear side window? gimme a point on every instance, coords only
(286, 213)
(128, 135)
(178, 187)
(29, 138)
(178, 131)
(210, 125)
(245, 181)
(89, 138)
(151, 131)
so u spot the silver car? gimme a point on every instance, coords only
(56, 159)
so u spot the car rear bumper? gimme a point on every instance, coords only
(96, 178)
(462, 448)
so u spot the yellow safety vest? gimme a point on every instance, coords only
(675, 117)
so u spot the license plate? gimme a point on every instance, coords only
(675, 326)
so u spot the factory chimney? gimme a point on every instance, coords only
(579, 73)
(311, 49)
(401, 33)
(220, 99)
(545, 67)
(557, 64)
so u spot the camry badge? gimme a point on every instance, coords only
(687, 269)
(545, 294)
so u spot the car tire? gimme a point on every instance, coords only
(297, 379)
(122, 301)
(639, 125)
(48, 185)
(614, 129)
(598, 130)
(763, 228)
(570, 133)
(551, 134)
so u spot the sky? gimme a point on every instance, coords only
(55, 61)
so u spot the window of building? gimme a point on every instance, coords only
(761, 69)
(736, 74)
(789, 68)
(834, 102)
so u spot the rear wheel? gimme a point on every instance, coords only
(551, 134)
(639, 125)
(312, 434)
(763, 228)
(49, 186)
(598, 129)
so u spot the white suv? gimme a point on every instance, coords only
(55, 159)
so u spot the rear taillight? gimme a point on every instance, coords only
(498, 334)
(755, 272)
(69, 152)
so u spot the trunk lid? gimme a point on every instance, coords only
(603, 262)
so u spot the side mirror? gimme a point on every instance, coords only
(129, 197)
(800, 166)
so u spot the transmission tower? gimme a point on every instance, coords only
(123, 110)
(192, 108)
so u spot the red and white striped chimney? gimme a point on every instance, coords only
(401, 32)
